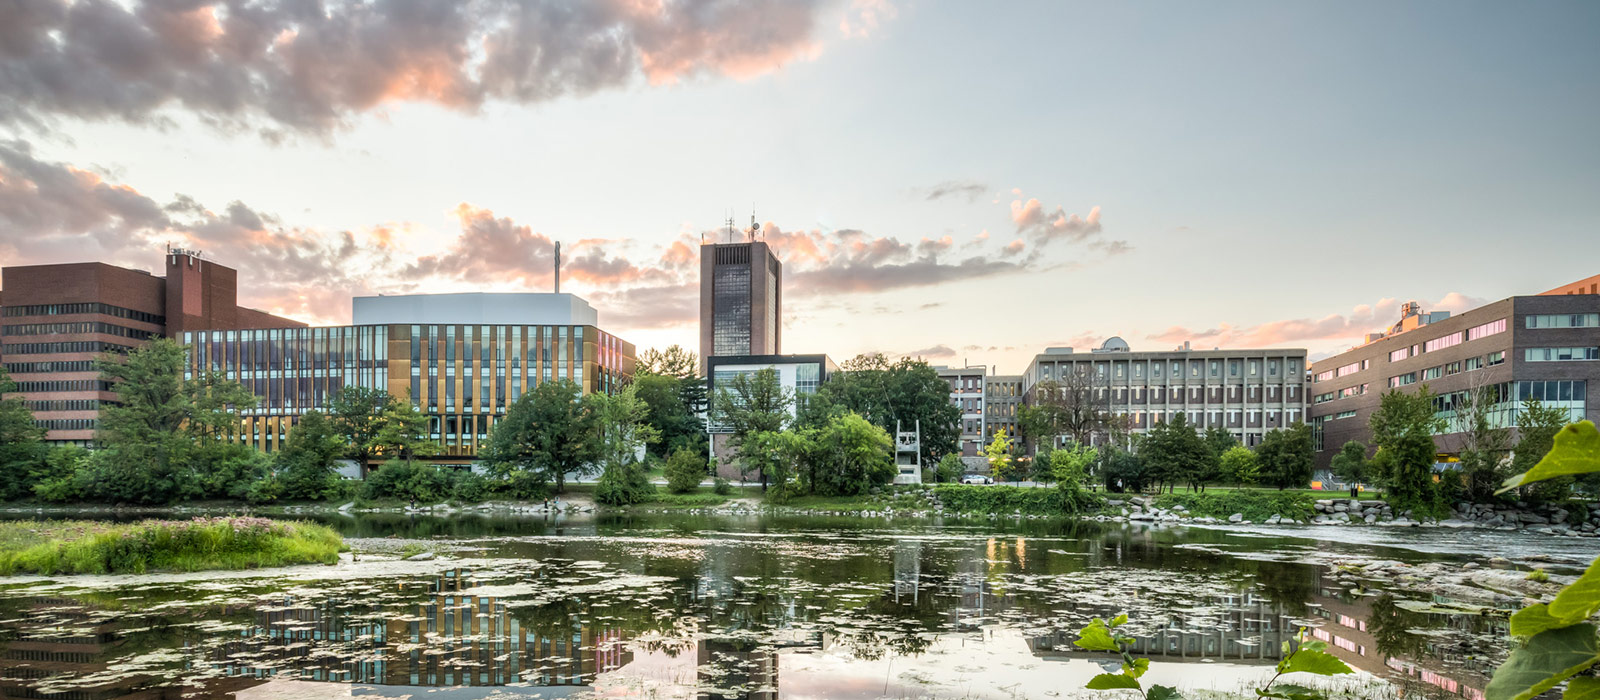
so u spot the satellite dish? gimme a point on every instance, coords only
(755, 226)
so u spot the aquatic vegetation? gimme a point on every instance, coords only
(1254, 504)
(82, 547)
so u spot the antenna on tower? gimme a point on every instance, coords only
(730, 226)
(755, 228)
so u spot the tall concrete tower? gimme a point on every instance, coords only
(741, 299)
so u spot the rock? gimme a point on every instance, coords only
(1236, 517)
(1340, 508)
(1500, 563)
(1469, 565)
(425, 556)
(1371, 518)
(1532, 518)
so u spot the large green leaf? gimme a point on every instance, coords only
(1313, 661)
(1163, 692)
(1548, 658)
(1534, 619)
(1139, 667)
(1112, 681)
(1095, 637)
(1581, 599)
(1576, 451)
(1582, 688)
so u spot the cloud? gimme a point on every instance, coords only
(1347, 329)
(954, 188)
(1032, 220)
(937, 351)
(865, 16)
(851, 261)
(310, 67)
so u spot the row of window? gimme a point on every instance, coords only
(1563, 321)
(80, 327)
(1445, 341)
(1196, 368)
(65, 385)
(66, 405)
(1560, 354)
(66, 423)
(58, 366)
(1449, 368)
(84, 308)
(1341, 394)
(94, 346)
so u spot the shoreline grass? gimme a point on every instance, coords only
(92, 547)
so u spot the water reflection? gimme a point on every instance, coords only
(717, 609)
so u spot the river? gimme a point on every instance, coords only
(705, 607)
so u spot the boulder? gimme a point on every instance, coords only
(1236, 517)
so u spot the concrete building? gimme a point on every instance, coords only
(798, 375)
(1544, 347)
(967, 395)
(462, 359)
(1002, 398)
(741, 300)
(58, 318)
(1246, 392)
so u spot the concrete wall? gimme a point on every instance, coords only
(474, 309)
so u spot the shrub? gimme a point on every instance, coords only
(1253, 504)
(623, 485)
(266, 489)
(685, 468)
(961, 498)
(471, 487)
(406, 481)
(721, 487)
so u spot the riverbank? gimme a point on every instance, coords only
(98, 547)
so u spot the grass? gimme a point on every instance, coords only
(89, 547)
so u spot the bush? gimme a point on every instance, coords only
(471, 487)
(407, 481)
(685, 468)
(721, 487)
(961, 498)
(65, 478)
(623, 485)
(79, 547)
(265, 490)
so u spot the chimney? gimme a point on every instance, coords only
(558, 267)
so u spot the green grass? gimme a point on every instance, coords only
(88, 547)
(1254, 504)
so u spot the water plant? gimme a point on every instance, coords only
(81, 547)
(1301, 655)
(1557, 640)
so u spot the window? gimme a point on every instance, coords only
(83, 327)
(1349, 369)
(47, 348)
(1473, 363)
(1272, 368)
(1548, 320)
(1443, 342)
(1486, 329)
(1255, 368)
(1344, 414)
(1403, 380)
(1324, 398)
(1323, 376)
(88, 308)
(62, 366)
(1550, 354)
(1496, 358)
(1400, 354)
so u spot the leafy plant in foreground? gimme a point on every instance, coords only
(1300, 656)
(1559, 642)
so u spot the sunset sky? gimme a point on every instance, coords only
(965, 181)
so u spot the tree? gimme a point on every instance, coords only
(1071, 471)
(1239, 465)
(1351, 466)
(403, 432)
(546, 434)
(1402, 431)
(621, 424)
(998, 453)
(22, 453)
(167, 439)
(1286, 457)
(684, 471)
(1219, 441)
(908, 392)
(357, 413)
(747, 404)
(777, 455)
(852, 456)
(1123, 469)
(1537, 425)
(1485, 443)
(306, 466)
(670, 413)
(950, 468)
(1176, 453)
(674, 361)
(1077, 406)
(1041, 471)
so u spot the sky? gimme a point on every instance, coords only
(965, 182)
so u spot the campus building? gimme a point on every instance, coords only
(462, 359)
(1544, 347)
(1246, 392)
(741, 300)
(58, 318)
(967, 387)
(799, 376)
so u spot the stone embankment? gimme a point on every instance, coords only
(1548, 519)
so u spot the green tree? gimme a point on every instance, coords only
(403, 432)
(622, 430)
(778, 456)
(1041, 470)
(1485, 445)
(307, 465)
(1537, 425)
(1402, 431)
(1219, 441)
(1071, 471)
(1286, 457)
(674, 361)
(1351, 466)
(852, 456)
(950, 468)
(1176, 453)
(1239, 465)
(67, 477)
(167, 439)
(907, 391)
(747, 404)
(670, 413)
(685, 470)
(546, 434)
(357, 413)
(1123, 469)
(998, 454)
(22, 452)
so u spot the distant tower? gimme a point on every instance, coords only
(741, 297)
(558, 267)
